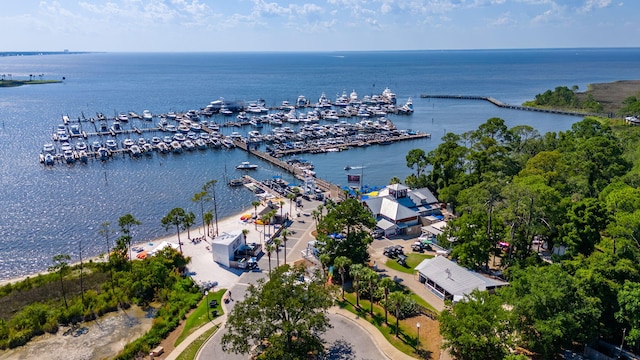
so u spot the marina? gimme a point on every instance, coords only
(281, 131)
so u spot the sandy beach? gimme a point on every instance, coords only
(201, 267)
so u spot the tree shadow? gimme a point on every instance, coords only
(339, 350)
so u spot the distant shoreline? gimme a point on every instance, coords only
(14, 83)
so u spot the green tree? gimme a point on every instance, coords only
(200, 198)
(255, 204)
(417, 160)
(397, 300)
(105, 230)
(126, 222)
(269, 248)
(354, 223)
(386, 284)
(356, 272)
(210, 188)
(476, 328)
(342, 263)
(61, 266)
(395, 180)
(586, 219)
(629, 314)
(208, 218)
(176, 217)
(189, 220)
(287, 314)
(370, 277)
(285, 233)
(277, 242)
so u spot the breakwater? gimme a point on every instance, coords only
(501, 104)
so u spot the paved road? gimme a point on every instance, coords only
(345, 341)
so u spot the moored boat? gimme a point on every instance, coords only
(245, 165)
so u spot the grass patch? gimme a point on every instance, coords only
(407, 339)
(190, 352)
(413, 260)
(201, 315)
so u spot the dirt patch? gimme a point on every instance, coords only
(98, 340)
(430, 338)
(611, 95)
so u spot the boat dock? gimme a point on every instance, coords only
(501, 104)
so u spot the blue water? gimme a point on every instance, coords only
(46, 211)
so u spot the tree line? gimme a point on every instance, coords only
(575, 192)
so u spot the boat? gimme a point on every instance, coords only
(301, 101)
(111, 144)
(188, 144)
(146, 114)
(179, 137)
(48, 148)
(83, 156)
(347, 167)
(135, 150)
(127, 143)
(68, 157)
(162, 147)
(116, 126)
(49, 159)
(147, 149)
(142, 141)
(236, 182)
(122, 117)
(155, 140)
(81, 145)
(103, 154)
(176, 147)
(201, 144)
(245, 165)
(228, 143)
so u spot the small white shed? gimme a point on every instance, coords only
(225, 245)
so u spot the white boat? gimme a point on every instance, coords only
(123, 117)
(245, 165)
(147, 149)
(171, 128)
(179, 137)
(127, 143)
(74, 129)
(162, 147)
(68, 157)
(111, 144)
(83, 156)
(155, 140)
(301, 101)
(116, 126)
(146, 114)
(135, 150)
(188, 144)
(202, 144)
(48, 148)
(49, 159)
(228, 143)
(103, 153)
(167, 139)
(176, 147)
(81, 145)
(142, 141)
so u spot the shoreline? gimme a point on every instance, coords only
(225, 224)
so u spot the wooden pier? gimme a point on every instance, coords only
(512, 107)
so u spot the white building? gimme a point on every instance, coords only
(450, 281)
(223, 247)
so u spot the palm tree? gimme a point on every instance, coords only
(320, 212)
(175, 217)
(189, 220)
(208, 218)
(316, 216)
(292, 198)
(371, 277)
(245, 232)
(200, 197)
(397, 300)
(269, 249)
(264, 219)
(277, 242)
(210, 188)
(395, 180)
(281, 206)
(386, 283)
(342, 263)
(356, 273)
(255, 204)
(61, 266)
(284, 233)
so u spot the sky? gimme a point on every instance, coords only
(315, 25)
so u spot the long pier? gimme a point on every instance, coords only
(501, 104)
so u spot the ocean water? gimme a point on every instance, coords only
(49, 210)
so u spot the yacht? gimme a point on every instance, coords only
(245, 165)
(163, 147)
(48, 148)
(116, 126)
(171, 128)
(301, 101)
(68, 157)
(127, 143)
(142, 141)
(155, 140)
(179, 137)
(83, 156)
(135, 150)
(49, 159)
(146, 114)
(81, 146)
(176, 147)
(188, 144)
(202, 144)
(111, 145)
(122, 117)
(147, 149)
(103, 153)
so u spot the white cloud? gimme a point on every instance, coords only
(504, 20)
(594, 4)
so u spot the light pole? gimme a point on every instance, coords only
(206, 292)
(418, 326)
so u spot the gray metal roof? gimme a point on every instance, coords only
(455, 279)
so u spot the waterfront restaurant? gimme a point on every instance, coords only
(450, 281)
